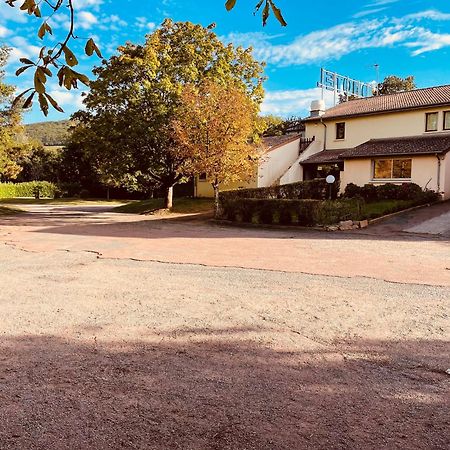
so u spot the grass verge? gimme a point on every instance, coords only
(383, 207)
(58, 201)
(180, 205)
(8, 211)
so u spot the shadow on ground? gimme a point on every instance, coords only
(220, 391)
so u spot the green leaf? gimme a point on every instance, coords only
(71, 59)
(46, 71)
(54, 103)
(26, 61)
(22, 70)
(43, 103)
(39, 85)
(20, 96)
(89, 49)
(265, 14)
(29, 101)
(277, 14)
(44, 28)
(230, 4)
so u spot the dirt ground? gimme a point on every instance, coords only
(151, 333)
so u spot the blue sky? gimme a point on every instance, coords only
(403, 37)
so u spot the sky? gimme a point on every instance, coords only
(349, 37)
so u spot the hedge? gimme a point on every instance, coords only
(304, 212)
(29, 189)
(313, 189)
(390, 191)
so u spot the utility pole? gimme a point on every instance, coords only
(377, 74)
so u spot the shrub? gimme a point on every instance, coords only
(410, 191)
(313, 189)
(84, 194)
(369, 192)
(352, 191)
(305, 212)
(31, 189)
(390, 191)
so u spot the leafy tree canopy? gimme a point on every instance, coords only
(213, 132)
(393, 84)
(13, 145)
(132, 103)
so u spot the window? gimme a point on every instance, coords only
(446, 120)
(392, 169)
(340, 130)
(431, 121)
(202, 177)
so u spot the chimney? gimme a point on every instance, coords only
(317, 108)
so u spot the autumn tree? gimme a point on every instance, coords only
(393, 84)
(214, 132)
(127, 125)
(13, 144)
(58, 57)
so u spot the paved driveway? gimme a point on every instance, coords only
(159, 333)
(383, 252)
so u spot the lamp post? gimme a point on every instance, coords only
(330, 180)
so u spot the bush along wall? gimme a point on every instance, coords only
(313, 189)
(303, 212)
(390, 191)
(287, 205)
(32, 189)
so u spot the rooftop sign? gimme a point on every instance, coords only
(340, 84)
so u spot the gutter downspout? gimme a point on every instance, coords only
(325, 134)
(438, 174)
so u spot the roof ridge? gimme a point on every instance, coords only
(438, 134)
(391, 95)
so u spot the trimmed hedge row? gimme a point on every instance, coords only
(390, 191)
(304, 212)
(313, 189)
(30, 189)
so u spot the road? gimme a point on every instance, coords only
(155, 333)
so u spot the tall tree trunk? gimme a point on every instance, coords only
(168, 201)
(216, 200)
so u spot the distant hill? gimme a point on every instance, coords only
(49, 133)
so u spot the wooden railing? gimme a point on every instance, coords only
(305, 143)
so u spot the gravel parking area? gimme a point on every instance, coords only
(140, 333)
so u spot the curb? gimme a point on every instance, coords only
(403, 211)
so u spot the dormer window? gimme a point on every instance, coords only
(340, 130)
(432, 121)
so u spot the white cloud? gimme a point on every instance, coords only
(64, 98)
(335, 42)
(4, 31)
(144, 24)
(368, 12)
(294, 102)
(430, 14)
(86, 20)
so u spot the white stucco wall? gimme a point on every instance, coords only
(361, 129)
(276, 162)
(424, 172)
(445, 177)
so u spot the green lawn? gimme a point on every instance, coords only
(180, 205)
(380, 208)
(58, 201)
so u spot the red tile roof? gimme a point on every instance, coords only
(273, 142)
(414, 145)
(325, 157)
(418, 98)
